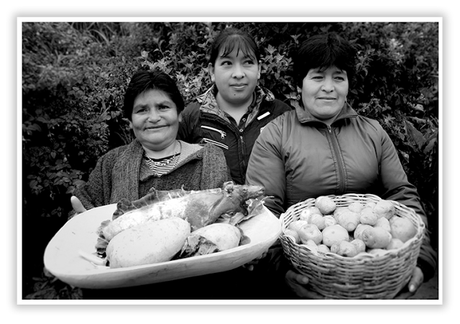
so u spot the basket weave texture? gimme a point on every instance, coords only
(364, 276)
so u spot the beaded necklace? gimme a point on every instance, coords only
(163, 165)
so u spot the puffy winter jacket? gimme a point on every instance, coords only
(204, 122)
(298, 157)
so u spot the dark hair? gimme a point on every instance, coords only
(231, 38)
(323, 51)
(144, 80)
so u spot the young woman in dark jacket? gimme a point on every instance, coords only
(233, 112)
(324, 147)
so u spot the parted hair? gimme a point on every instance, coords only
(231, 38)
(143, 80)
(323, 51)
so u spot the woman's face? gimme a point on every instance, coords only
(324, 92)
(154, 120)
(236, 77)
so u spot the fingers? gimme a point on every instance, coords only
(251, 264)
(414, 284)
(297, 283)
(296, 278)
(249, 267)
(416, 280)
(77, 205)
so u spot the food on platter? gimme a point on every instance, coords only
(167, 225)
(71, 256)
(148, 243)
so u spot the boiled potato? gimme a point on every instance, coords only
(358, 233)
(359, 244)
(395, 244)
(384, 223)
(329, 220)
(323, 248)
(293, 234)
(348, 220)
(402, 228)
(368, 216)
(376, 237)
(356, 207)
(325, 205)
(318, 220)
(296, 225)
(334, 234)
(152, 242)
(308, 212)
(310, 232)
(384, 208)
(346, 249)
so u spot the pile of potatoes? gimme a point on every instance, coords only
(348, 231)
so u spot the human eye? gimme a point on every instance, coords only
(249, 61)
(340, 77)
(316, 76)
(164, 107)
(225, 62)
(139, 109)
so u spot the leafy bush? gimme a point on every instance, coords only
(74, 76)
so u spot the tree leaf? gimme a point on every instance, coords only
(415, 135)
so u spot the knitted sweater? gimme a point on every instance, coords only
(120, 174)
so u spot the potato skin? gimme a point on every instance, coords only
(325, 205)
(334, 234)
(376, 237)
(148, 243)
(402, 228)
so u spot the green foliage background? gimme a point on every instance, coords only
(74, 75)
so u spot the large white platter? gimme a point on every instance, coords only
(62, 254)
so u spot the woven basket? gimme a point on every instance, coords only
(364, 276)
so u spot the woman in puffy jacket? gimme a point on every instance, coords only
(232, 113)
(324, 147)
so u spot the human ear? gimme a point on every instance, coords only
(211, 72)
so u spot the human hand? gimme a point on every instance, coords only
(414, 284)
(297, 283)
(77, 205)
(250, 265)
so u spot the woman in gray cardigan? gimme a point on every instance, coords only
(155, 158)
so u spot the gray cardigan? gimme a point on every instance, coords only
(119, 174)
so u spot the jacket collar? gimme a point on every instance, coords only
(208, 102)
(305, 116)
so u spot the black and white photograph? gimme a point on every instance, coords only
(199, 162)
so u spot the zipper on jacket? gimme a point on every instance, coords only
(243, 152)
(338, 154)
(222, 133)
(216, 143)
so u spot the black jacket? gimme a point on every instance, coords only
(204, 122)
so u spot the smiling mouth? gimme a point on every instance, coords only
(155, 127)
